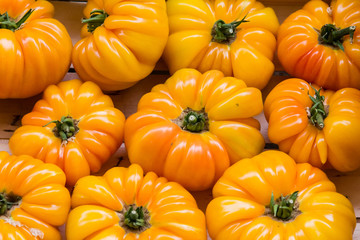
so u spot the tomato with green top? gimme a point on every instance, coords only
(269, 196)
(321, 127)
(192, 127)
(321, 44)
(235, 37)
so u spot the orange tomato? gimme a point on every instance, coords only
(321, 43)
(33, 199)
(35, 49)
(124, 42)
(321, 127)
(125, 204)
(271, 197)
(74, 126)
(192, 127)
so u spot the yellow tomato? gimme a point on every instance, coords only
(125, 40)
(74, 126)
(323, 131)
(271, 197)
(33, 199)
(236, 37)
(125, 204)
(35, 49)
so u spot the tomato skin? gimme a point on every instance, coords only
(45, 202)
(195, 159)
(289, 126)
(126, 47)
(248, 57)
(100, 129)
(242, 196)
(302, 55)
(35, 55)
(97, 201)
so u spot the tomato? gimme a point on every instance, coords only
(321, 44)
(74, 126)
(320, 127)
(33, 198)
(125, 41)
(125, 204)
(236, 37)
(271, 197)
(35, 49)
(192, 127)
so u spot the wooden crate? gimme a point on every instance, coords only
(70, 13)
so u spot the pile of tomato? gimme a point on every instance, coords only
(196, 131)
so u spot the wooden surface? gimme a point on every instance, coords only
(70, 13)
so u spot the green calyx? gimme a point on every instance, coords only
(317, 112)
(97, 18)
(225, 32)
(7, 201)
(333, 36)
(65, 128)
(134, 217)
(194, 121)
(284, 208)
(8, 23)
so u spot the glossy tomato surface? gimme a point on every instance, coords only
(101, 203)
(241, 208)
(125, 46)
(158, 138)
(305, 54)
(243, 50)
(34, 200)
(35, 49)
(288, 109)
(81, 110)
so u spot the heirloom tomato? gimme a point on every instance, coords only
(33, 198)
(236, 37)
(318, 126)
(125, 204)
(74, 126)
(192, 127)
(35, 49)
(124, 42)
(321, 44)
(271, 197)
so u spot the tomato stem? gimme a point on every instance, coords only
(225, 32)
(317, 112)
(65, 128)
(134, 219)
(7, 23)
(333, 36)
(194, 121)
(283, 207)
(7, 201)
(97, 18)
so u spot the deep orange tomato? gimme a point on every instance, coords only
(321, 44)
